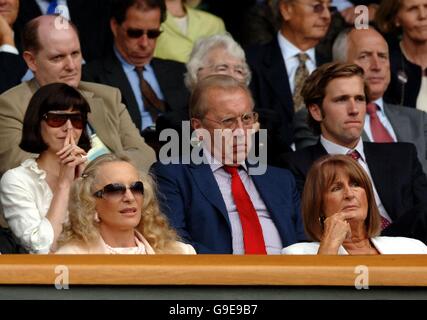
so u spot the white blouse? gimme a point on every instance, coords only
(26, 197)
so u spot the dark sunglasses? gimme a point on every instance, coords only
(138, 33)
(56, 120)
(119, 189)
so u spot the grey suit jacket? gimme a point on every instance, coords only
(108, 117)
(409, 125)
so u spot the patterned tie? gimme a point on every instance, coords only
(354, 154)
(52, 6)
(253, 238)
(379, 132)
(151, 103)
(300, 75)
(384, 223)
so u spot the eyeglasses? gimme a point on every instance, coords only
(56, 119)
(239, 70)
(138, 33)
(248, 119)
(318, 7)
(117, 190)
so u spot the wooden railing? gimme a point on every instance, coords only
(390, 270)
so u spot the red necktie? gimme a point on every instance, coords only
(384, 223)
(354, 154)
(379, 132)
(253, 238)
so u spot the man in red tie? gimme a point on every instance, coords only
(221, 205)
(335, 95)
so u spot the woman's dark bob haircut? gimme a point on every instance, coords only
(51, 97)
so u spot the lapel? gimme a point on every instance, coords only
(117, 77)
(96, 117)
(380, 171)
(277, 76)
(206, 183)
(400, 124)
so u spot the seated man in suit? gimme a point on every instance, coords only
(220, 204)
(384, 122)
(280, 67)
(53, 55)
(12, 67)
(152, 89)
(335, 95)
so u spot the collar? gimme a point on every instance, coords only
(333, 148)
(380, 103)
(289, 50)
(214, 163)
(130, 67)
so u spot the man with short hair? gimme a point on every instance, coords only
(12, 67)
(53, 55)
(153, 89)
(222, 204)
(280, 67)
(335, 96)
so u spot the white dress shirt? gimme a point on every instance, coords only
(26, 197)
(333, 148)
(383, 119)
(289, 54)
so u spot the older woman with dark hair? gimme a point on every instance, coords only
(406, 20)
(340, 213)
(35, 194)
(114, 210)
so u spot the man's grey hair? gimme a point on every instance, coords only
(201, 50)
(340, 46)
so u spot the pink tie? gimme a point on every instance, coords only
(384, 223)
(354, 154)
(379, 132)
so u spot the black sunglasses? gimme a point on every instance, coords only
(119, 189)
(138, 33)
(56, 120)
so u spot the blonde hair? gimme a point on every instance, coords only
(83, 227)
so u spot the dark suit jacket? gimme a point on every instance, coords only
(192, 200)
(272, 93)
(397, 175)
(169, 74)
(92, 19)
(399, 91)
(12, 69)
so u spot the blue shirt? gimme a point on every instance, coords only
(133, 79)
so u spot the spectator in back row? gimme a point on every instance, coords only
(12, 66)
(280, 67)
(35, 195)
(114, 210)
(152, 89)
(335, 95)
(54, 56)
(182, 27)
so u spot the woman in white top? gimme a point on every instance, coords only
(35, 194)
(113, 210)
(340, 213)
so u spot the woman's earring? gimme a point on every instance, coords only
(322, 221)
(96, 218)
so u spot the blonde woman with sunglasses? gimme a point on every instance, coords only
(35, 195)
(113, 210)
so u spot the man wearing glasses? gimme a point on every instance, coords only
(152, 89)
(219, 205)
(280, 67)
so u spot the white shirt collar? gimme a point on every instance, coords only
(214, 163)
(289, 50)
(333, 148)
(380, 103)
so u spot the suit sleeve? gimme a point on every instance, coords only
(134, 145)
(289, 162)
(12, 69)
(171, 198)
(10, 136)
